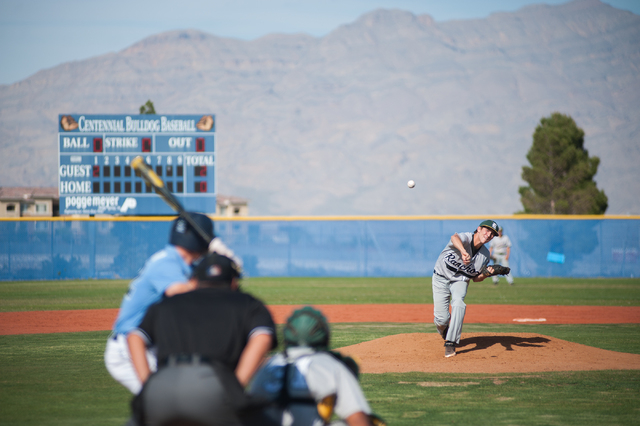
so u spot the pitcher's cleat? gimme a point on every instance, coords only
(449, 349)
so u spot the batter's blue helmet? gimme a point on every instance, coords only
(183, 234)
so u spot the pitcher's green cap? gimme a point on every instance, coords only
(491, 225)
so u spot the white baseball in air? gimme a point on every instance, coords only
(411, 184)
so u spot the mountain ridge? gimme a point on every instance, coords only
(336, 125)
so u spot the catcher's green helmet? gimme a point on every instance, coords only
(307, 327)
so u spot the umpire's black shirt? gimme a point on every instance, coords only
(211, 322)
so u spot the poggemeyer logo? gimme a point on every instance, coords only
(129, 203)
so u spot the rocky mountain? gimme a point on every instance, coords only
(337, 125)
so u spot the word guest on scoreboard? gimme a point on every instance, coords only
(95, 154)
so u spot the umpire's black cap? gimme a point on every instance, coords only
(183, 235)
(216, 269)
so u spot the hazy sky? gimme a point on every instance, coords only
(40, 34)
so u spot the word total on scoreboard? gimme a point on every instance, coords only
(94, 163)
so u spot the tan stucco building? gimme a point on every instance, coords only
(229, 206)
(22, 201)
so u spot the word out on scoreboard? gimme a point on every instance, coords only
(95, 154)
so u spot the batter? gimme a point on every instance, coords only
(166, 273)
(462, 260)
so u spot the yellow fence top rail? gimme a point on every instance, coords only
(318, 218)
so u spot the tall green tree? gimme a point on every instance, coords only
(561, 174)
(148, 108)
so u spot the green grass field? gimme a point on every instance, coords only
(96, 294)
(60, 379)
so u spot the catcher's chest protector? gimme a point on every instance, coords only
(292, 402)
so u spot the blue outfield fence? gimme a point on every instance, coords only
(549, 246)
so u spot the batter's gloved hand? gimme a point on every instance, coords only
(497, 270)
(217, 246)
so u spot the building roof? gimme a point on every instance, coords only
(27, 192)
(230, 200)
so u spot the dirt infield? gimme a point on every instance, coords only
(102, 319)
(477, 352)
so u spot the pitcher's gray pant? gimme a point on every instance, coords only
(447, 292)
(191, 394)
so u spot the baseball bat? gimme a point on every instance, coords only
(158, 186)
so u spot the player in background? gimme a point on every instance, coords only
(165, 273)
(462, 260)
(500, 251)
(209, 341)
(306, 384)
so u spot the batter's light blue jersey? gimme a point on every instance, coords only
(161, 270)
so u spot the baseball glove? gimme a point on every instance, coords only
(497, 270)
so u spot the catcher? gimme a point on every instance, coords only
(306, 384)
(464, 258)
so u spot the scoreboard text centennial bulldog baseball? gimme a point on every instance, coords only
(95, 154)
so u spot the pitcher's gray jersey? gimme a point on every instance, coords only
(451, 266)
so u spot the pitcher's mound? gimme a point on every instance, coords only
(485, 353)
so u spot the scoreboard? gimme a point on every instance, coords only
(95, 154)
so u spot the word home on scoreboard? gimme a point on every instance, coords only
(95, 153)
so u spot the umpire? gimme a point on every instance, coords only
(210, 342)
